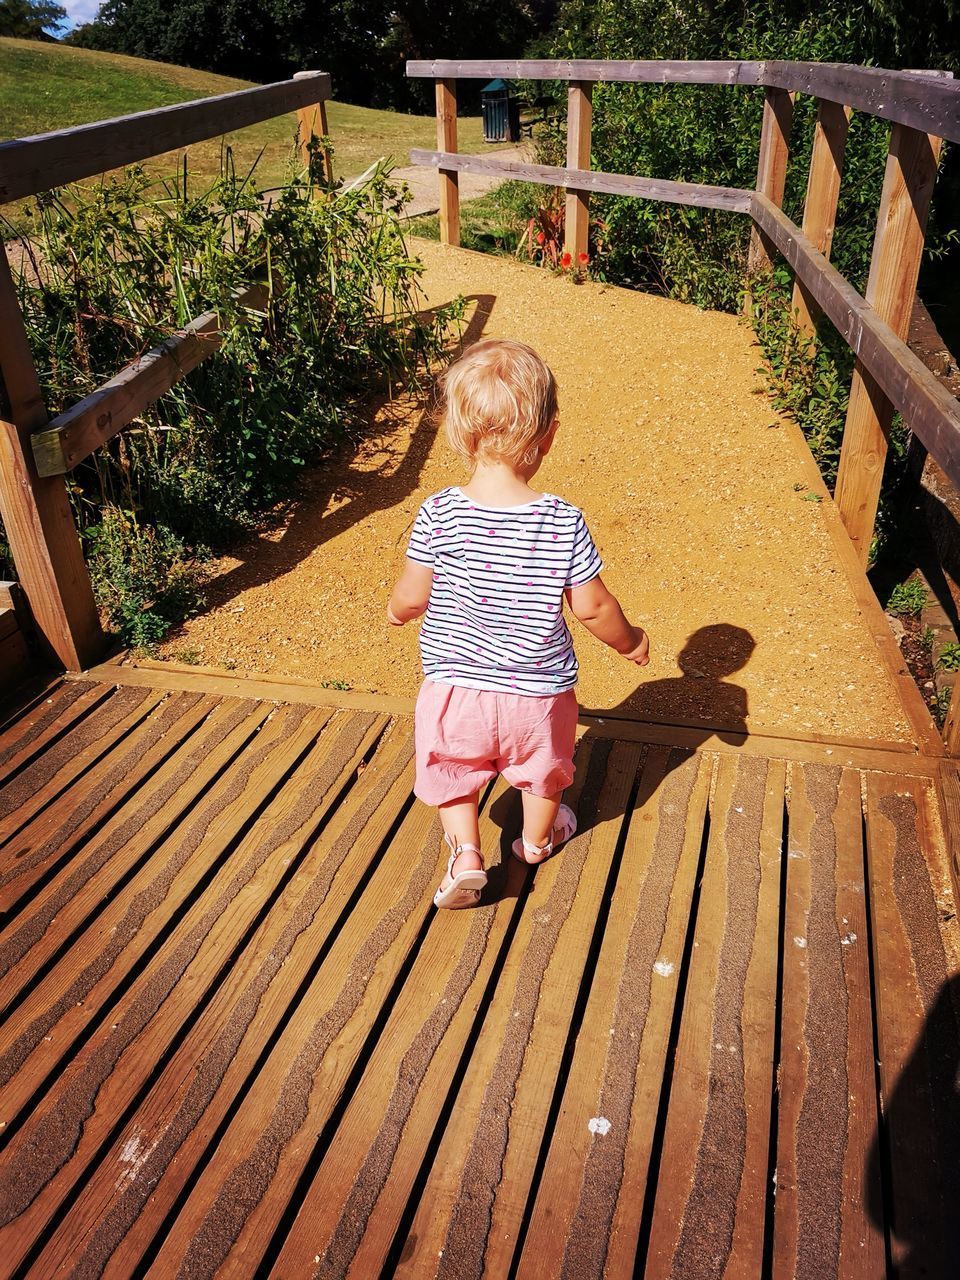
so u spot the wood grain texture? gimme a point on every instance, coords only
(312, 124)
(616, 184)
(929, 101)
(771, 165)
(909, 179)
(36, 511)
(446, 91)
(72, 436)
(823, 191)
(576, 226)
(29, 165)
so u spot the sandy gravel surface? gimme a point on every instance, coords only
(688, 479)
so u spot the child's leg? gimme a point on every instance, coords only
(461, 824)
(539, 815)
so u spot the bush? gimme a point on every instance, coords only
(110, 271)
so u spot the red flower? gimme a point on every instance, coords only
(540, 237)
(583, 258)
(566, 260)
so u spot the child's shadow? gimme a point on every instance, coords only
(700, 701)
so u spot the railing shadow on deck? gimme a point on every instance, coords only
(310, 523)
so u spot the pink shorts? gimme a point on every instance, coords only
(465, 737)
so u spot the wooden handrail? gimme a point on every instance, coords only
(29, 165)
(735, 199)
(99, 416)
(925, 100)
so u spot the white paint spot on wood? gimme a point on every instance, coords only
(599, 1124)
(800, 942)
(847, 938)
(664, 968)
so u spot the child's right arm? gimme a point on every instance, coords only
(599, 611)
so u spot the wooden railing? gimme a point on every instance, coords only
(924, 107)
(35, 453)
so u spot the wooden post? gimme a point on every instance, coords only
(449, 178)
(36, 511)
(576, 224)
(823, 191)
(313, 124)
(771, 169)
(908, 183)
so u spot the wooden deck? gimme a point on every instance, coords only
(716, 1035)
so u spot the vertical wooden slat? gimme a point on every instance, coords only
(449, 179)
(36, 510)
(313, 124)
(918, 1035)
(579, 125)
(823, 190)
(826, 1187)
(908, 183)
(951, 728)
(772, 166)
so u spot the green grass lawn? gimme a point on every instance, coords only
(48, 86)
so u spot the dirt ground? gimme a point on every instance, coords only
(691, 484)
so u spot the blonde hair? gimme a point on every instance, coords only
(499, 402)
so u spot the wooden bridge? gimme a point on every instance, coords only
(716, 1036)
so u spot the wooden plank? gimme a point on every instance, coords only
(924, 100)
(712, 1200)
(917, 1031)
(119, 885)
(271, 1138)
(58, 842)
(697, 194)
(910, 177)
(533, 999)
(853, 753)
(364, 1178)
(36, 510)
(16, 660)
(929, 101)
(576, 226)
(52, 774)
(72, 436)
(772, 165)
(28, 734)
(823, 192)
(948, 782)
(29, 165)
(587, 1215)
(828, 1111)
(259, 930)
(930, 410)
(641, 71)
(31, 1199)
(313, 124)
(447, 143)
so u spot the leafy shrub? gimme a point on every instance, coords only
(110, 271)
(907, 598)
(948, 659)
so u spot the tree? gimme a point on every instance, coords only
(29, 19)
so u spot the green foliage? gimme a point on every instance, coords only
(30, 19)
(949, 657)
(110, 272)
(907, 598)
(493, 223)
(942, 706)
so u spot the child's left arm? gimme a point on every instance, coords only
(411, 595)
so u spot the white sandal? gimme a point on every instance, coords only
(463, 889)
(563, 828)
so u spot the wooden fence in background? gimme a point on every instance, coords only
(923, 108)
(35, 452)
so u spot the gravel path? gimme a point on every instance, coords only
(424, 185)
(691, 483)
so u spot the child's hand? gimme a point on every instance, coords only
(640, 653)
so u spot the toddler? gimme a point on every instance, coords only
(490, 564)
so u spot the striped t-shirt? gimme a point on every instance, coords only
(495, 617)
